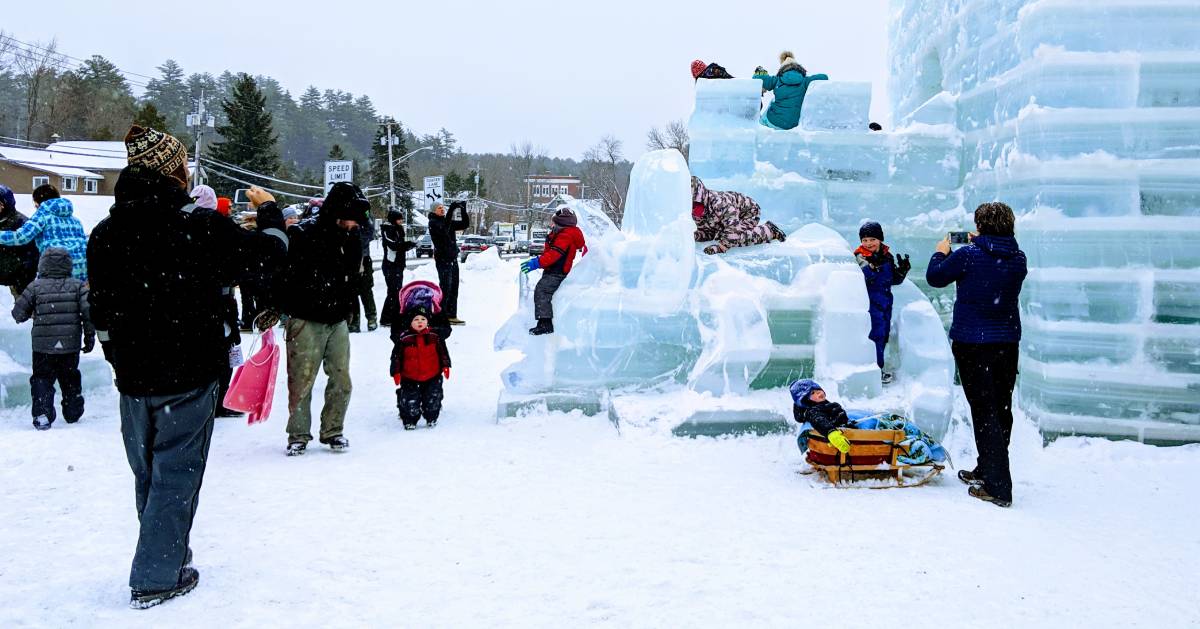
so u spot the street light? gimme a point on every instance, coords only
(410, 154)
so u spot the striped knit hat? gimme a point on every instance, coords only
(158, 151)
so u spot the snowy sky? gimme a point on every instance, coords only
(560, 74)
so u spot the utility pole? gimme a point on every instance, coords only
(198, 120)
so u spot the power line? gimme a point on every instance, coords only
(271, 190)
(61, 54)
(243, 171)
(63, 64)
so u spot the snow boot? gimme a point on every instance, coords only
(41, 422)
(544, 326)
(888, 378)
(977, 491)
(430, 423)
(296, 448)
(776, 233)
(337, 444)
(456, 321)
(969, 477)
(372, 325)
(188, 578)
(410, 426)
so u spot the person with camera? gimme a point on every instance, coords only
(985, 336)
(443, 228)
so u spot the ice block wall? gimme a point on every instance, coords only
(645, 309)
(1084, 116)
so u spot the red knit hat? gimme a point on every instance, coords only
(698, 67)
(223, 205)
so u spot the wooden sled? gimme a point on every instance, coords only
(873, 456)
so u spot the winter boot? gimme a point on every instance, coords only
(410, 426)
(337, 444)
(41, 422)
(969, 477)
(977, 491)
(430, 423)
(776, 233)
(544, 326)
(456, 321)
(296, 448)
(188, 578)
(372, 325)
(887, 377)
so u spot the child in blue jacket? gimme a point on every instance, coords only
(881, 271)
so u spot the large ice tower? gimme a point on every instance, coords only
(1084, 116)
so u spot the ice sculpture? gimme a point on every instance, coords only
(646, 308)
(1084, 116)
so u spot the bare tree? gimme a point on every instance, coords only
(673, 136)
(607, 174)
(525, 160)
(38, 66)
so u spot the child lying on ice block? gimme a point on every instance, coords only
(814, 411)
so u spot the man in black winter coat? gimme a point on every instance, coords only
(395, 260)
(442, 231)
(320, 287)
(18, 265)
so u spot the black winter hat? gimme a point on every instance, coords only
(394, 215)
(870, 229)
(345, 202)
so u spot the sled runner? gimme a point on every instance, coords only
(873, 456)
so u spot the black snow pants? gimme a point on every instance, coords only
(166, 441)
(393, 277)
(448, 280)
(63, 369)
(415, 399)
(366, 294)
(988, 372)
(543, 295)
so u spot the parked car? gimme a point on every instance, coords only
(504, 243)
(537, 246)
(425, 246)
(521, 246)
(473, 244)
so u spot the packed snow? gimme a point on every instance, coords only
(555, 519)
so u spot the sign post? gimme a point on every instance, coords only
(435, 192)
(337, 172)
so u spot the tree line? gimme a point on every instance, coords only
(262, 128)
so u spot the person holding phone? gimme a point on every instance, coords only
(985, 335)
(443, 227)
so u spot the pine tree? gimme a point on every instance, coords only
(379, 167)
(148, 116)
(170, 96)
(336, 153)
(248, 140)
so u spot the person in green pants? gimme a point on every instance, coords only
(318, 289)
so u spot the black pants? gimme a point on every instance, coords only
(166, 441)
(543, 295)
(61, 368)
(415, 399)
(249, 307)
(988, 372)
(448, 280)
(393, 277)
(366, 294)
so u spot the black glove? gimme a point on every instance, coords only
(266, 320)
(903, 264)
(89, 344)
(108, 352)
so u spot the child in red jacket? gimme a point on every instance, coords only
(419, 362)
(562, 243)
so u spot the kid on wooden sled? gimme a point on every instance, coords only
(562, 243)
(810, 406)
(420, 361)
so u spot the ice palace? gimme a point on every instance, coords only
(1083, 116)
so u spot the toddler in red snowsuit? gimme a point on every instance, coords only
(420, 361)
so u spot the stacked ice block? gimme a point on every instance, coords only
(1084, 116)
(646, 309)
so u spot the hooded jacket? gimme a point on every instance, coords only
(18, 264)
(419, 356)
(822, 416)
(790, 86)
(59, 306)
(53, 225)
(158, 265)
(881, 274)
(723, 216)
(322, 272)
(989, 273)
(394, 245)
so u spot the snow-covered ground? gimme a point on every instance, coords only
(561, 520)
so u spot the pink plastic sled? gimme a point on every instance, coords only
(253, 385)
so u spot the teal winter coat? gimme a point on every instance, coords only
(789, 86)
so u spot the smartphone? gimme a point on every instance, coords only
(960, 238)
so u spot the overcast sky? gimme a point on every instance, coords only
(560, 74)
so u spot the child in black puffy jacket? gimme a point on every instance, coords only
(812, 407)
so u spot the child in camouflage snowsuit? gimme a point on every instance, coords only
(729, 218)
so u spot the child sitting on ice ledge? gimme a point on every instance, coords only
(813, 409)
